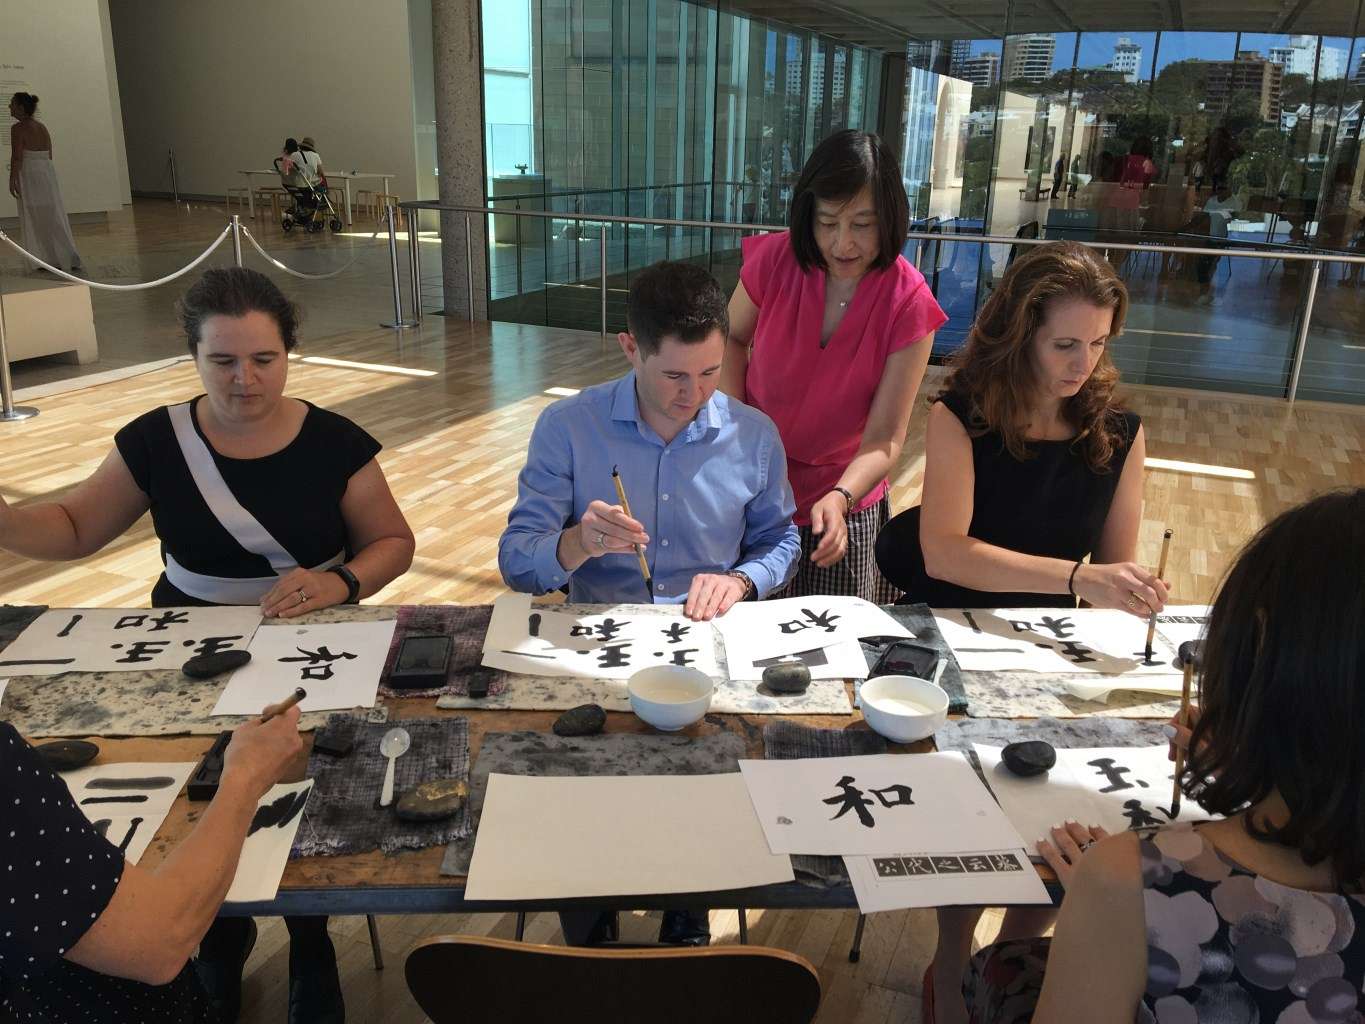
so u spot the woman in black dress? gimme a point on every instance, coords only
(1030, 468)
(257, 499)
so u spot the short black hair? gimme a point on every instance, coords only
(836, 172)
(1283, 703)
(235, 292)
(677, 300)
(28, 103)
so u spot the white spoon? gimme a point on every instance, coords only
(394, 745)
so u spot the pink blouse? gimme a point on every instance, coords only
(820, 398)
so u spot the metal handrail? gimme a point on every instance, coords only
(613, 191)
(1299, 254)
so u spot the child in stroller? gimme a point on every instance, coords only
(311, 207)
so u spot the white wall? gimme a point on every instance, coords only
(55, 49)
(225, 83)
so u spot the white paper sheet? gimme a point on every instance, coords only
(338, 663)
(610, 644)
(755, 630)
(1098, 640)
(3, 684)
(976, 878)
(1073, 790)
(548, 838)
(1170, 685)
(128, 801)
(266, 850)
(931, 803)
(125, 639)
(844, 660)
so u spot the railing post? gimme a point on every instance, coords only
(415, 265)
(469, 264)
(9, 412)
(1301, 342)
(602, 275)
(398, 322)
(236, 240)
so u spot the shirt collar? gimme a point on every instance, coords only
(708, 421)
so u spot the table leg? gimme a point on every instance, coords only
(250, 197)
(347, 183)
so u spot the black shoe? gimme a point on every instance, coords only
(314, 984)
(222, 955)
(589, 927)
(685, 928)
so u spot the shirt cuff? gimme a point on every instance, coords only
(764, 582)
(550, 575)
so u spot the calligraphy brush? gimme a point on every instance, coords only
(1188, 656)
(639, 548)
(278, 709)
(1160, 574)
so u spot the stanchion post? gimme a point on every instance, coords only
(9, 412)
(1301, 340)
(602, 274)
(469, 265)
(398, 321)
(236, 240)
(415, 265)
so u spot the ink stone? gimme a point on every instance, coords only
(1029, 757)
(793, 677)
(432, 801)
(584, 720)
(206, 666)
(1192, 653)
(67, 755)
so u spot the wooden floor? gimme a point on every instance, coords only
(453, 443)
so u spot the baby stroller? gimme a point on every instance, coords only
(311, 208)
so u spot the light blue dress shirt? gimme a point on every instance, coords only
(713, 499)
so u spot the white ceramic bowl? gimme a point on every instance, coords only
(903, 708)
(670, 697)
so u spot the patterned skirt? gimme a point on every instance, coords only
(856, 574)
(1003, 981)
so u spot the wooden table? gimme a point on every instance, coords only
(344, 176)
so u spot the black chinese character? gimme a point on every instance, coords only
(130, 622)
(1147, 658)
(608, 628)
(170, 618)
(902, 794)
(66, 630)
(888, 867)
(578, 630)
(613, 656)
(681, 657)
(1114, 774)
(1078, 653)
(824, 620)
(853, 800)
(1061, 627)
(213, 644)
(1021, 625)
(918, 865)
(319, 662)
(948, 865)
(140, 651)
(1139, 817)
(36, 661)
(1005, 862)
(977, 864)
(676, 632)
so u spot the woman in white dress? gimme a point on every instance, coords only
(33, 182)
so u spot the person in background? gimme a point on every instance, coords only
(830, 332)
(1256, 916)
(43, 223)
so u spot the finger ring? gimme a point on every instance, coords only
(1086, 845)
(601, 538)
(1131, 599)
(302, 596)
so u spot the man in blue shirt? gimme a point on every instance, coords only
(705, 476)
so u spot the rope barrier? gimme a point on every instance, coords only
(299, 273)
(119, 287)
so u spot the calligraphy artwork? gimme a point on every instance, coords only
(125, 640)
(338, 663)
(607, 645)
(755, 631)
(128, 801)
(1117, 788)
(994, 877)
(279, 814)
(1056, 640)
(932, 803)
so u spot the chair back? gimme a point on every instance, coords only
(468, 979)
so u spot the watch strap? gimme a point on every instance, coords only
(352, 583)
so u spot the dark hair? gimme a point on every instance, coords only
(837, 171)
(27, 101)
(291, 144)
(235, 292)
(675, 300)
(994, 368)
(1283, 702)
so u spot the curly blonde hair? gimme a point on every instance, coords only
(994, 369)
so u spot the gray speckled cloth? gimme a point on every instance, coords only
(920, 620)
(787, 740)
(466, 625)
(545, 754)
(1044, 695)
(343, 814)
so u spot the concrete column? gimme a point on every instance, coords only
(456, 29)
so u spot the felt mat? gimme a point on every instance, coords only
(787, 740)
(1044, 695)
(545, 754)
(160, 703)
(466, 626)
(343, 816)
(920, 620)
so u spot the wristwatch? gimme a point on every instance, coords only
(749, 589)
(352, 584)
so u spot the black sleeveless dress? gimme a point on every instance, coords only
(1052, 504)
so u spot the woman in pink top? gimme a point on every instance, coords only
(830, 332)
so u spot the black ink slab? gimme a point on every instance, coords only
(206, 666)
(67, 755)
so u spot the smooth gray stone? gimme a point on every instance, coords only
(66, 755)
(432, 801)
(584, 720)
(786, 678)
(206, 666)
(1029, 757)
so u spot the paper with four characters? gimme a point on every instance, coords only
(125, 639)
(338, 663)
(128, 801)
(1117, 788)
(1053, 640)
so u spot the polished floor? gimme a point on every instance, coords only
(454, 438)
